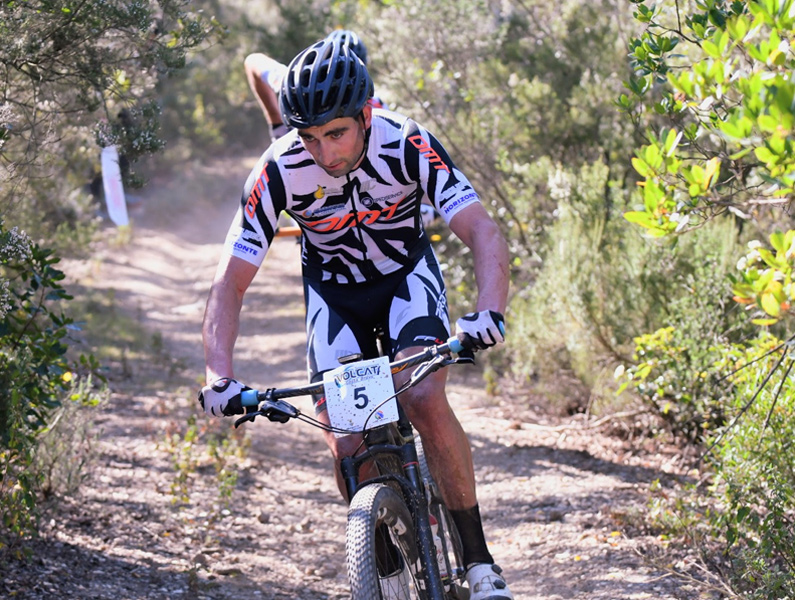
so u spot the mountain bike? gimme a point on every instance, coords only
(401, 542)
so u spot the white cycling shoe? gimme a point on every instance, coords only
(487, 583)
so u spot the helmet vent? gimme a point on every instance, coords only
(326, 81)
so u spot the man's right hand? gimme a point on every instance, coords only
(222, 397)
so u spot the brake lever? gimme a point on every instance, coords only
(276, 411)
(275, 416)
(466, 357)
(280, 411)
(433, 365)
(248, 417)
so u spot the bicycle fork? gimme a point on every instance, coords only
(414, 496)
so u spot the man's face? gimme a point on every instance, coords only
(337, 146)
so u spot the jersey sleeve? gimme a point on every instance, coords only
(428, 163)
(262, 201)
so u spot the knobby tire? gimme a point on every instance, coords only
(377, 511)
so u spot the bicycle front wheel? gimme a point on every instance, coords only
(381, 549)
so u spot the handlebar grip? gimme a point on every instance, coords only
(249, 398)
(455, 345)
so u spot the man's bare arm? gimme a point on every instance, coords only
(480, 233)
(222, 315)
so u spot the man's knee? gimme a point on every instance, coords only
(426, 406)
(343, 446)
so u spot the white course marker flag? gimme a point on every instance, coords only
(114, 191)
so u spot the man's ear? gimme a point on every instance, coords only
(367, 114)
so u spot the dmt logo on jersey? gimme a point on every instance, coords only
(429, 153)
(256, 193)
(366, 217)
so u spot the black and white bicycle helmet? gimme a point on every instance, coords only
(326, 81)
(353, 41)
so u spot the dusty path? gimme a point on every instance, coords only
(559, 501)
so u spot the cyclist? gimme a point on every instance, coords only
(265, 74)
(353, 178)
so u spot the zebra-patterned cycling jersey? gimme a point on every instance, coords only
(360, 226)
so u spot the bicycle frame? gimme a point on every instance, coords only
(413, 490)
(401, 444)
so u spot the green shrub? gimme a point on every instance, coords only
(754, 460)
(65, 448)
(601, 285)
(35, 377)
(742, 515)
(83, 75)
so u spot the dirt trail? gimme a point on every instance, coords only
(558, 500)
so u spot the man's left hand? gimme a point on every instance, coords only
(485, 328)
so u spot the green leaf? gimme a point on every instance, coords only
(658, 231)
(777, 58)
(731, 536)
(768, 257)
(768, 123)
(764, 321)
(731, 129)
(652, 156)
(765, 155)
(652, 195)
(764, 280)
(672, 141)
(642, 167)
(741, 153)
(777, 144)
(641, 218)
(710, 48)
(742, 513)
(712, 168)
(737, 28)
(760, 52)
(770, 305)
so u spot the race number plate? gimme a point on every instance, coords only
(355, 395)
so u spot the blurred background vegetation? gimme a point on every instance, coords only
(566, 116)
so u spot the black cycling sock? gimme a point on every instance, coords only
(470, 528)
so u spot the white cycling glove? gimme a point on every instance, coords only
(485, 328)
(222, 397)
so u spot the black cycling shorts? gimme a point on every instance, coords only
(410, 306)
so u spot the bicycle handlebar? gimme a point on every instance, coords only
(276, 410)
